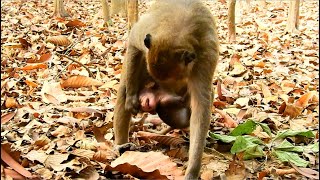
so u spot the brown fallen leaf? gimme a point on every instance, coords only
(265, 90)
(34, 66)
(61, 131)
(8, 116)
(310, 173)
(41, 49)
(236, 170)
(83, 153)
(50, 98)
(227, 120)
(52, 92)
(14, 164)
(24, 43)
(181, 153)
(292, 110)
(59, 40)
(11, 103)
(207, 175)
(219, 90)
(12, 174)
(163, 139)
(302, 102)
(45, 57)
(80, 81)
(30, 83)
(89, 173)
(75, 23)
(83, 109)
(146, 165)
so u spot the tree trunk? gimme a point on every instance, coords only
(59, 9)
(132, 12)
(293, 16)
(231, 21)
(106, 14)
(119, 7)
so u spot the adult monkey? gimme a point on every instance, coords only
(176, 45)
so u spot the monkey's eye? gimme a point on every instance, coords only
(188, 57)
(147, 41)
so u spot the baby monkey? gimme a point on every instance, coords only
(172, 109)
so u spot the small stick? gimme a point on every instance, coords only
(75, 61)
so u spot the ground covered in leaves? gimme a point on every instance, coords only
(56, 114)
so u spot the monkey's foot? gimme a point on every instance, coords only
(125, 147)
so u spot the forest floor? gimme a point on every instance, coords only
(57, 117)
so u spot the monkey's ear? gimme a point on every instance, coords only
(147, 41)
(188, 57)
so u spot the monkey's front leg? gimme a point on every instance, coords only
(134, 67)
(122, 117)
(201, 97)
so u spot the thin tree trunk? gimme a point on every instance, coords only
(132, 12)
(106, 14)
(59, 9)
(119, 7)
(231, 21)
(293, 16)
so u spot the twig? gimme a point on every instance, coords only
(75, 61)
(74, 44)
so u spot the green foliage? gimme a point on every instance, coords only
(290, 133)
(287, 146)
(248, 127)
(285, 156)
(245, 128)
(252, 147)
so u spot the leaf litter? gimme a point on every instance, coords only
(58, 117)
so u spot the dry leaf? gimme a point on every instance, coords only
(84, 153)
(181, 153)
(146, 165)
(80, 81)
(207, 175)
(59, 40)
(292, 110)
(163, 139)
(75, 23)
(61, 131)
(8, 116)
(34, 66)
(304, 99)
(11, 103)
(30, 83)
(52, 92)
(45, 57)
(24, 43)
(227, 120)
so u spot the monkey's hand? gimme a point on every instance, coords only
(132, 104)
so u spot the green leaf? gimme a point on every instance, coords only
(284, 156)
(253, 152)
(289, 133)
(313, 147)
(253, 139)
(265, 128)
(240, 144)
(223, 138)
(245, 128)
(287, 146)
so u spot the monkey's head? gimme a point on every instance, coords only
(169, 59)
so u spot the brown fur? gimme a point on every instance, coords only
(178, 29)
